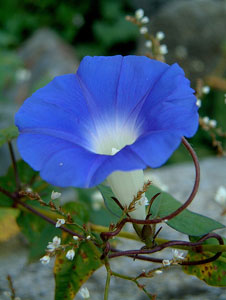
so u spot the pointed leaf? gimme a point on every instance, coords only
(29, 178)
(186, 222)
(70, 275)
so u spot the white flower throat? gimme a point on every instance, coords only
(125, 185)
(112, 136)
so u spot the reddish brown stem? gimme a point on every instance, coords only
(137, 254)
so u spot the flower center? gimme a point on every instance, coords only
(112, 138)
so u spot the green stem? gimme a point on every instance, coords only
(133, 280)
(107, 284)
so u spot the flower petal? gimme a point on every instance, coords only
(171, 105)
(156, 147)
(58, 109)
(62, 124)
(127, 81)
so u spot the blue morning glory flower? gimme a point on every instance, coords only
(115, 114)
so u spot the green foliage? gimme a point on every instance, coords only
(70, 275)
(213, 273)
(75, 21)
(29, 179)
(37, 232)
(102, 216)
(109, 202)
(187, 222)
(8, 134)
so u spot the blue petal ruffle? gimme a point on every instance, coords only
(60, 124)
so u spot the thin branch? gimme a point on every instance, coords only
(47, 219)
(17, 178)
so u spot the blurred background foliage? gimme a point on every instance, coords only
(89, 28)
(95, 27)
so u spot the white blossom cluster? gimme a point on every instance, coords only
(207, 121)
(160, 35)
(177, 257)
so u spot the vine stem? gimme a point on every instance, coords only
(159, 241)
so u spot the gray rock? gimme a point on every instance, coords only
(35, 281)
(195, 33)
(46, 53)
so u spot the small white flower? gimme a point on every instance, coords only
(166, 262)
(97, 200)
(163, 49)
(84, 292)
(88, 237)
(23, 74)
(45, 260)
(177, 255)
(52, 246)
(144, 20)
(220, 196)
(213, 123)
(70, 254)
(158, 272)
(206, 89)
(55, 195)
(148, 44)
(143, 30)
(160, 35)
(199, 103)
(139, 13)
(60, 222)
(75, 237)
(206, 120)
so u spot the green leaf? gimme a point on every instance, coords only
(109, 202)
(37, 232)
(78, 211)
(187, 222)
(8, 181)
(70, 275)
(29, 178)
(110, 33)
(8, 134)
(213, 273)
(102, 216)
